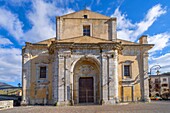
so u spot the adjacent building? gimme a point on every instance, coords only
(85, 63)
(160, 85)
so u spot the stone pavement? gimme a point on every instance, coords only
(153, 107)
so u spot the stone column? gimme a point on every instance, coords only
(24, 91)
(104, 79)
(67, 74)
(113, 76)
(146, 77)
(55, 78)
(61, 80)
(26, 62)
(101, 78)
(144, 83)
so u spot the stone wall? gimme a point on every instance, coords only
(100, 26)
(129, 88)
(4, 104)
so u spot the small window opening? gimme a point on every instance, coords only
(86, 30)
(126, 70)
(42, 72)
(85, 16)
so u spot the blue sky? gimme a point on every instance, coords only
(34, 20)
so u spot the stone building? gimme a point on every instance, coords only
(159, 85)
(85, 63)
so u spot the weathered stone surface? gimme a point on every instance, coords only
(5, 104)
(71, 56)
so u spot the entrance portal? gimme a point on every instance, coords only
(86, 81)
(86, 90)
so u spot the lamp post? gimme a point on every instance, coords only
(158, 72)
(156, 67)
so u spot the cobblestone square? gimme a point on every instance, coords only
(153, 107)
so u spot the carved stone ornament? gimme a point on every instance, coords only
(86, 69)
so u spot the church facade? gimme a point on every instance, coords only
(85, 63)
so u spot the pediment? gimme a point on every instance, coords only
(80, 14)
(85, 39)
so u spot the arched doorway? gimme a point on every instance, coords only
(86, 81)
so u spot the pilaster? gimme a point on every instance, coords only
(146, 77)
(63, 78)
(104, 77)
(109, 77)
(144, 83)
(26, 71)
(113, 77)
(55, 78)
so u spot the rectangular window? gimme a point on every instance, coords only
(164, 79)
(156, 81)
(42, 72)
(126, 70)
(86, 30)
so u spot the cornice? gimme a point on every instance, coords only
(35, 46)
(70, 45)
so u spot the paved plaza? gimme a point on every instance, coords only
(153, 107)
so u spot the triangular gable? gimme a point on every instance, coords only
(80, 14)
(126, 42)
(85, 39)
(48, 41)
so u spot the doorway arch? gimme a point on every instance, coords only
(86, 81)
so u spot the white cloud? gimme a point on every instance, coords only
(163, 61)
(124, 34)
(122, 22)
(11, 23)
(88, 7)
(42, 17)
(124, 25)
(151, 16)
(132, 31)
(160, 41)
(10, 68)
(5, 41)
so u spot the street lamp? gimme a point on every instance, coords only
(156, 67)
(157, 72)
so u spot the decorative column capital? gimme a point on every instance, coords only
(61, 56)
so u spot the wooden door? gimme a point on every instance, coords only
(86, 90)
